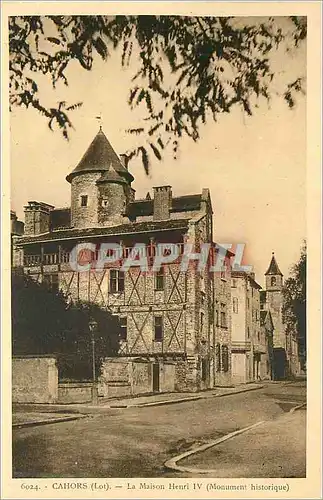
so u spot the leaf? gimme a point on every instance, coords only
(54, 40)
(156, 151)
(100, 47)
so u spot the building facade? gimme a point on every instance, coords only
(251, 336)
(176, 326)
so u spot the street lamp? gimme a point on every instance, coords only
(93, 327)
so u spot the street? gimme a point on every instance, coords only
(136, 442)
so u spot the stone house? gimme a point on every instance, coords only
(285, 346)
(250, 339)
(176, 326)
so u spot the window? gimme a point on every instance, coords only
(273, 281)
(123, 328)
(225, 358)
(202, 321)
(223, 316)
(160, 279)
(217, 317)
(116, 281)
(258, 335)
(204, 369)
(84, 200)
(218, 357)
(248, 303)
(234, 283)
(235, 305)
(158, 328)
(51, 280)
(248, 332)
(223, 320)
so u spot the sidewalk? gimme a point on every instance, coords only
(28, 414)
(29, 419)
(275, 448)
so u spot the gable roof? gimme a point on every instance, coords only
(145, 207)
(127, 228)
(273, 267)
(98, 158)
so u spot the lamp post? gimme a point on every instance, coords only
(92, 327)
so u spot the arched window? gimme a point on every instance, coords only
(273, 281)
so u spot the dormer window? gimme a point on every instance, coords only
(84, 200)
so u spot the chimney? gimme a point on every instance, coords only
(162, 202)
(17, 226)
(37, 217)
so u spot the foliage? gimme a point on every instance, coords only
(43, 322)
(188, 69)
(294, 306)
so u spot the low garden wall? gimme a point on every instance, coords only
(34, 379)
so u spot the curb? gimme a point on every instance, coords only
(172, 463)
(46, 422)
(92, 410)
(193, 398)
(247, 389)
(167, 402)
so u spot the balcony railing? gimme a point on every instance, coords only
(150, 251)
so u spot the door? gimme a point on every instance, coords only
(155, 377)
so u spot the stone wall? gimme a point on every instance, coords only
(112, 200)
(34, 380)
(74, 392)
(85, 185)
(126, 376)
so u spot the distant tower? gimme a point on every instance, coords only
(100, 186)
(274, 299)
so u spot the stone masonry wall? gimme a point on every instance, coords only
(34, 380)
(85, 184)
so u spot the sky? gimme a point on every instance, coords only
(255, 167)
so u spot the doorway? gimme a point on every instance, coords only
(155, 377)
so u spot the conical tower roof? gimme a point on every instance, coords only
(98, 158)
(112, 175)
(273, 267)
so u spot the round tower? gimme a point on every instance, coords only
(100, 186)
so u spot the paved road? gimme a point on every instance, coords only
(135, 442)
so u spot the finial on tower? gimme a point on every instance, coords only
(99, 118)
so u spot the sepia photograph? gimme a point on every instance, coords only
(158, 250)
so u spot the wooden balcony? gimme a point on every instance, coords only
(63, 257)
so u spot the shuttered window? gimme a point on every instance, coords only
(123, 328)
(158, 327)
(225, 358)
(218, 357)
